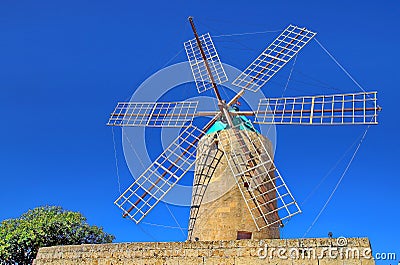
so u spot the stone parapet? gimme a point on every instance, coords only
(244, 252)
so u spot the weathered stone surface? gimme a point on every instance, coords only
(237, 252)
(223, 211)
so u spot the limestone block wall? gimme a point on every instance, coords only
(223, 211)
(243, 252)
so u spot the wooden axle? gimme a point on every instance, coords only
(203, 55)
(221, 103)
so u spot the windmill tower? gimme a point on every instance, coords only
(220, 212)
(230, 155)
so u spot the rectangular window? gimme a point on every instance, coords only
(243, 235)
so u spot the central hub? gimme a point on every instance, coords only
(226, 116)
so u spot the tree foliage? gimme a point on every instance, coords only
(21, 238)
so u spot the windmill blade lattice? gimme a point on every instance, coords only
(198, 66)
(272, 59)
(248, 156)
(162, 175)
(262, 187)
(208, 158)
(338, 109)
(153, 114)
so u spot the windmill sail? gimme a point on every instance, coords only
(162, 175)
(153, 114)
(262, 187)
(198, 66)
(352, 108)
(273, 58)
(208, 159)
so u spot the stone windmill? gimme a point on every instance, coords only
(230, 154)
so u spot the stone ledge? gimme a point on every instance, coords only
(201, 252)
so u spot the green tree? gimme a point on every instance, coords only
(21, 238)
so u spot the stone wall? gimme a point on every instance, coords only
(223, 211)
(244, 252)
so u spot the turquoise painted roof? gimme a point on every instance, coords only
(218, 126)
(245, 124)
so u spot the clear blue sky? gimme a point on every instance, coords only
(65, 64)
